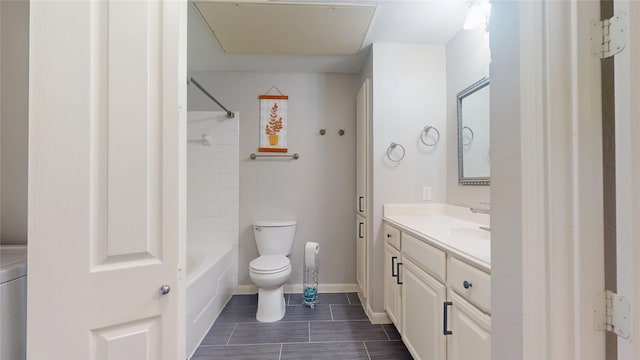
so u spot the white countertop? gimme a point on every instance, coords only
(454, 229)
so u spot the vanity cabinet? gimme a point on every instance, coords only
(423, 298)
(471, 330)
(444, 302)
(392, 282)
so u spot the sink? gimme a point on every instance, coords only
(462, 233)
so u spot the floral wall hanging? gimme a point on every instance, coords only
(273, 123)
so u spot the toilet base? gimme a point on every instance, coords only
(271, 305)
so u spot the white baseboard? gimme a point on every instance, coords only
(297, 288)
(377, 317)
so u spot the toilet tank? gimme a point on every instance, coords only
(274, 237)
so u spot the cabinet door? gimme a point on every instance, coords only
(471, 331)
(422, 317)
(362, 126)
(392, 287)
(361, 251)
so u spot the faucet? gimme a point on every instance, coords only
(481, 211)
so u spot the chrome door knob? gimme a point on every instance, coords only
(164, 289)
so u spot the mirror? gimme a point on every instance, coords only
(473, 134)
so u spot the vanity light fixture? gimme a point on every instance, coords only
(477, 15)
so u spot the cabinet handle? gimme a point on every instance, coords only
(446, 331)
(393, 266)
(467, 284)
(388, 236)
(360, 230)
(360, 198)
(398, 273)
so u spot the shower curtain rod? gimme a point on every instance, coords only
(229, 113)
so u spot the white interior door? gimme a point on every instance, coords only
(107, 124)
(627, 110)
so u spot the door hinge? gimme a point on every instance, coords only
(609, 37)
(613, 313)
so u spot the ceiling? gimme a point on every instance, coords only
(394, 21)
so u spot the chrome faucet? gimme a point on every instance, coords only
(481, 211)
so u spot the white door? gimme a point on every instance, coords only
(361, 254)
(362, 135)
(107, 124)
(423, 300)
(471, 331)
(392, 287)
(627, 118)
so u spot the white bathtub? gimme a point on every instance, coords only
(209, 287)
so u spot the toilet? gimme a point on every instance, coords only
(271, 269)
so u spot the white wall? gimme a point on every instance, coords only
(468, 58)
(14, 83)
(212, 180)
(318, 189)
(408, 93)
(506, 193)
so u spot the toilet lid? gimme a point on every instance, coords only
(269, 263)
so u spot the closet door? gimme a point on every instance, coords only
(107, 149)
(362, 130)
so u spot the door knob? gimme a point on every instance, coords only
(164, 289)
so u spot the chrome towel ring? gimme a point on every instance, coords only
(470, 138)
(425, 134)
(390, 150)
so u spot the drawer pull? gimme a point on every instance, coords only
(393, 266)
(360, 230)
(360, 198)
(388, 236)
(398, 273)
(467, 284)
(446, 331)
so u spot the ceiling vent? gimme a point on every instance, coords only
(287, 28)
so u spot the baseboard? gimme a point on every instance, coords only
(246, 290)
(297, 288)
(377, 317)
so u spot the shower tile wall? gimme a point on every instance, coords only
(212, 179)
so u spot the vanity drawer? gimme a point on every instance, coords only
(478, 283)
(392, 236)
(427, 257)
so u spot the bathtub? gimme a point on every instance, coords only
(209, 286)
(13, 302)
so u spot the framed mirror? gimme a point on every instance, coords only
(473, 134)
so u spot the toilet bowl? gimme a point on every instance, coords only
(269, 273)
(271, 270)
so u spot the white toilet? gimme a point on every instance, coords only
(272, 268)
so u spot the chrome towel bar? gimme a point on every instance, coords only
(254, 156)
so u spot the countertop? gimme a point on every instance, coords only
(452, 229)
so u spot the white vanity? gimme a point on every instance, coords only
(437, 285)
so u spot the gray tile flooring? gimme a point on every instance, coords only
(337, 329)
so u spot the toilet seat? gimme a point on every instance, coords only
(269, 264)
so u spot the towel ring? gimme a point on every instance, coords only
(470, 139)
(425, 133)
(391, 148)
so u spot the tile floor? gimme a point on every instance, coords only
(337, 329)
